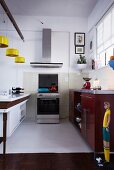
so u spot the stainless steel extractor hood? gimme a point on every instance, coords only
(46, 52)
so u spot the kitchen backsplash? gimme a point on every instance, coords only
(5, 92)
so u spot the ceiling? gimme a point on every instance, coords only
(64, 8)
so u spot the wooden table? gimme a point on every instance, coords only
(5, 106)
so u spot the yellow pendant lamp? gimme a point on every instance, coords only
(12, 52)
(3, 42)
(19, 59)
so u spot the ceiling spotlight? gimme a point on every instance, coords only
(41, 22)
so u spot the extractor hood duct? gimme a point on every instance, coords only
(46, 52)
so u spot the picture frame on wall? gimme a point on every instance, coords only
(79, 39)
(79, 50)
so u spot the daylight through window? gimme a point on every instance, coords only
(105, 38)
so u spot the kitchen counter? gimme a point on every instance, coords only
(13, 97)
(7, 104)
(94, 91)
(9, 101)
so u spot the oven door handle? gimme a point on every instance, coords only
(48, 98)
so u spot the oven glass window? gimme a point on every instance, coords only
(47, 106)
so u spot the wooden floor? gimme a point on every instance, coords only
(48, 161)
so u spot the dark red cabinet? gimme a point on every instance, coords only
(88, 118)
(92, 117)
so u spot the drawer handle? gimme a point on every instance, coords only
(53, 99)
(86, 96)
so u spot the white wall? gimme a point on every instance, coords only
(101, 7)
(31, 49)
(57, 24)
(63, 50)
(105, 76)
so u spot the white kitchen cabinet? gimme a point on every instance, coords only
(15, 116)
(13, 120)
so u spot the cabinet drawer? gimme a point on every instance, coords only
(88, 96)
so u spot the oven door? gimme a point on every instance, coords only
(47, 106)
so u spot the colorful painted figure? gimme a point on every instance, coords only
(106, 133)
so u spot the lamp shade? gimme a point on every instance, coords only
(12, 52)
(19, 59)
(3, 42)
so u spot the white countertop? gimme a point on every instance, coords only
(95, 91)
(13, 97)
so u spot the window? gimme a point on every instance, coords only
(105, 39)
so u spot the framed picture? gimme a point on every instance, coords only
(91, 40)
(79, 50)
(79, 39)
